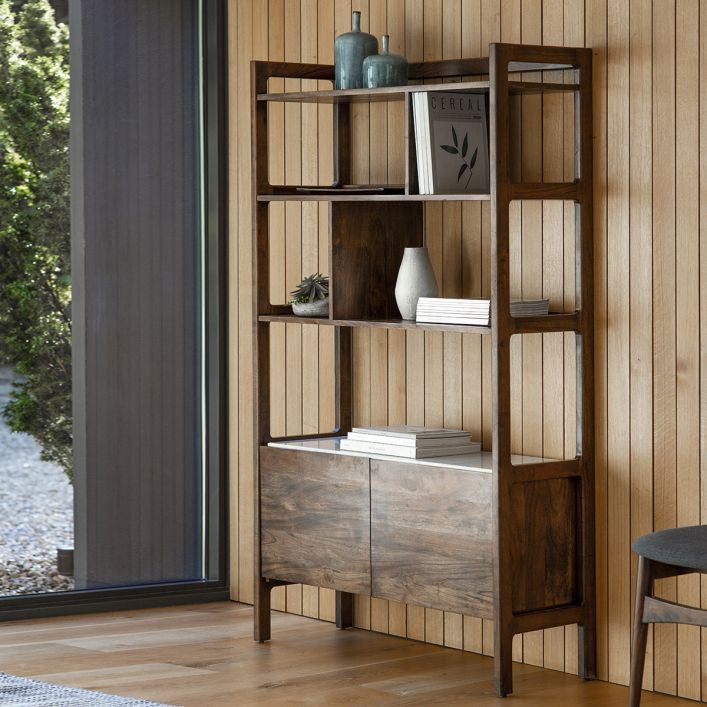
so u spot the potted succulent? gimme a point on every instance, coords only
(311, 297)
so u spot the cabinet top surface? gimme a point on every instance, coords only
(467, 462)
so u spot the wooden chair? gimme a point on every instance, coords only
(667, 553)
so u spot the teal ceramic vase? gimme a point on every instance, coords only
(350, 49)
(385, 69)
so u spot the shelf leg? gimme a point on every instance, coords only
(344, 610)
(261, 609)
(503, 663)
(587, 649)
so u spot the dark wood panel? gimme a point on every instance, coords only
(315, 519)
(431, 533)
(366, 251)
(544, 543)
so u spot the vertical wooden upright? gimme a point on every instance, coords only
(515, 613)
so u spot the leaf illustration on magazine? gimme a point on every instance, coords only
(454, 150)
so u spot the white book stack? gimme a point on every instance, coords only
(443, 310)
(410, 441)
(453, 311)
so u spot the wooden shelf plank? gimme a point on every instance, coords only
(397, 93)
(295, 195)
(367, 95)
(374, 324)
(563, 191)
(522, 325)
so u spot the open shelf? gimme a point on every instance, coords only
(557, 322)
(374, 323)
(398, 93)
(467, 462)
(293, 194)
(546, 191)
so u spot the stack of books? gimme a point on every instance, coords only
(451, 142)
(530, 307)
(442, 310)
(454, 311)
(409, 441)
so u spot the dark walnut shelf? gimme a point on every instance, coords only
(556, 322)
(398, 93)
(293, 194)
(560, 191)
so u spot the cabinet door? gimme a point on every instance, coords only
(315, 519)
(431, 537)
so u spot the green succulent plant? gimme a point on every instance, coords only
(313, 288)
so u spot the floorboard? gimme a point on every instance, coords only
(204, 656)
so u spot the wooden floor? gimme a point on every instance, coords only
(204, 655)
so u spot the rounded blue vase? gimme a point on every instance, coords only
(385, 69)
(350, 49)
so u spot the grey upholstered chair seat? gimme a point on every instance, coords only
(684, 547)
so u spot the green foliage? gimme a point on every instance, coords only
(312, 288)
(35, 282)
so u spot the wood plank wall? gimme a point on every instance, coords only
(650, 60)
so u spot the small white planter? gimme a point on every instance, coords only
(415, 279)
(320, 308)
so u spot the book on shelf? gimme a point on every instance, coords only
(451, 142)
(366, 189)
(397, 450)
(442, 310)
(409, 441)
(411, 432)
(420, 443)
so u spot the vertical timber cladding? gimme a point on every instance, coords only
(650, 334)
(136, 250)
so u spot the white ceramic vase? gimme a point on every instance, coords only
(415, 279)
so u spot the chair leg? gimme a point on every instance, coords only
(640, 631)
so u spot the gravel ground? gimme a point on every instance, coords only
(36, 512)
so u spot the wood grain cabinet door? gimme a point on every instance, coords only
(431, 537)
(315, 519)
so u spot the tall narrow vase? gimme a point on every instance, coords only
(350, 49)
(415, 279)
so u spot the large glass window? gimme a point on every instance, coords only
(121, 312)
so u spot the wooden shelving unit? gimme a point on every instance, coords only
(495, 536)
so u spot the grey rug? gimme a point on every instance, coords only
(22, 692)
